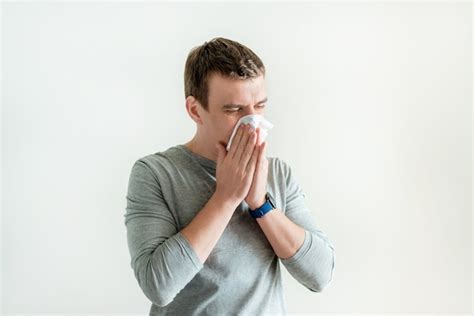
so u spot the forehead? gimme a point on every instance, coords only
(224, 90)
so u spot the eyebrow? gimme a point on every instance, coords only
(233, 105)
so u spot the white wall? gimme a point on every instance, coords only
(371, 105)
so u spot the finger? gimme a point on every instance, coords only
(221, 152)
(263, 145)
(263, 149)
(243, 143)
(242, 151)
(259, 131)
(253, 161)
(236, 140)
(249, 148)
(261, 154)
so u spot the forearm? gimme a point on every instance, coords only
(314, 265)
(207, 226)
(285, 236)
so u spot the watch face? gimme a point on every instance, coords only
(270, 199)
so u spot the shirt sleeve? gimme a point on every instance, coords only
(313, 263)
(161, 257)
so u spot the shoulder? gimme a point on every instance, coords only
(279, 166)
(160, 160)
(279, 173)
(159, 165)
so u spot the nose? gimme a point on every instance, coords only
(252, 110)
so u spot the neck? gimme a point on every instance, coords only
(205, 149)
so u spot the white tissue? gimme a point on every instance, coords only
(256, 120)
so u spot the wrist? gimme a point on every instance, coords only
(225, 201)
(257, 204)
(263, 209)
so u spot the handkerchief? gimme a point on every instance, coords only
(256, 120)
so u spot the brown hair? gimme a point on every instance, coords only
(223, 56)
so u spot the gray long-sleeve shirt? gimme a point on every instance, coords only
(242, 273)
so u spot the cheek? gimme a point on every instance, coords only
(227, 128)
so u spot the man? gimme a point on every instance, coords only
(202, 235)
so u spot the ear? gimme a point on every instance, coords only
(194, 108)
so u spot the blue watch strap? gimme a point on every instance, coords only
(262, 210)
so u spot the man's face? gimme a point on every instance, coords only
(229, 100)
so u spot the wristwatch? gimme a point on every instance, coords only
(264, 209)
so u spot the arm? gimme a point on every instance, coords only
(305, 250)
(285, 236)
(162, 257)
(207, 226)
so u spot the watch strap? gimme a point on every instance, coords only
(264, 209)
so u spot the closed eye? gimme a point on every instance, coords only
(239, 109)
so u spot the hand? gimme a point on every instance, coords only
(235, 169)
(258, 189)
